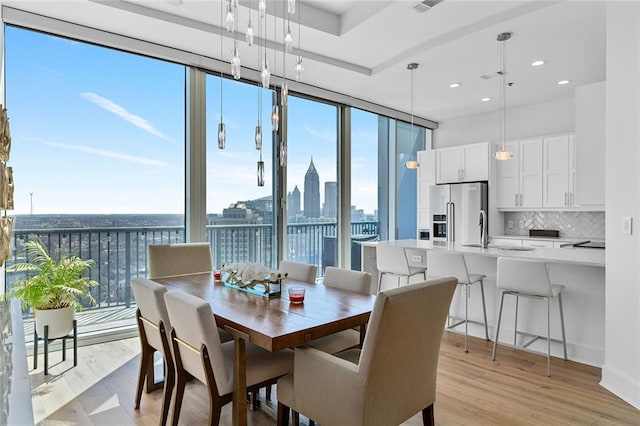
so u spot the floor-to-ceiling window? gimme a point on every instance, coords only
(240, 214)
(312, 185)
(97, 153)
(368, 183)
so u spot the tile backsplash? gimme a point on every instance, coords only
(570, 224)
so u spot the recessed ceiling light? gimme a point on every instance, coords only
(537, 63)
(563, 82)
(485, 99)
(454, 85)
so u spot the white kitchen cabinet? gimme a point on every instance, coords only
(465, 163)
(559, 172)
(426, 178)
(590, 146)
(520, 179)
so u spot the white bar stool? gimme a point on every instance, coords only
(445, 263)
(393, 260)
(528, 278)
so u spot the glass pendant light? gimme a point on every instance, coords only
(229, 20)
(265, 75)
(283, 152)
(262, 8)
(288, 40)
(275, 118)
(502, 154)
(298, 67)
(249, 33)
(236, 64)
(258, 137)
(291, 6)
(222, 131)
(260, 171)
(412, 164)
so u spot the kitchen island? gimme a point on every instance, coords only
(581, 270)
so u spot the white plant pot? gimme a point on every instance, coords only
(60, 322)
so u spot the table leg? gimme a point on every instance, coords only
(240, 381)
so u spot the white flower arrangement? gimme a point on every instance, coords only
(250, 274)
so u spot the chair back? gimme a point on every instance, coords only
(524, 276)
(392, 259)
(441, 263)
(299, 271)
(170, 260)
(193, 323)
(149, 297)
(347, 279)
(399, 358)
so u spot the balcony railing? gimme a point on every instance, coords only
(121, 253)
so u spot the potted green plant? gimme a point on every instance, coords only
(52, 288)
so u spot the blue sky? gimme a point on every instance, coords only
(96, 130)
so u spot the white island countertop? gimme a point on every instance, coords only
(568, 255)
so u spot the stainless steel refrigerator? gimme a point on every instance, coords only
(455, 212)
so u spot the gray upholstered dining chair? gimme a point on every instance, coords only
(154, 328)
(349, 280)
(299, 271)
(391, 379)
(170, 260)
(202, 355)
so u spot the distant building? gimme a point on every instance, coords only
(311, 192)
(262, 207)
(330, 206)
(236, 244)
(357, 215)
(293, 202)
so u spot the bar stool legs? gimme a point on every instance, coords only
(484, 311)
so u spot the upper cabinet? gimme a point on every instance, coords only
(520, 179)
(466, 163)
(590, 140)
(559, 172)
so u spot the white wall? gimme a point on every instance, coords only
(621, 372)
(531, 120)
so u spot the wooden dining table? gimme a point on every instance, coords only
(273, 323)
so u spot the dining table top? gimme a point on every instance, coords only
(276, 323)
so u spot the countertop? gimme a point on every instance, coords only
(569, 255)
(15, 389)
(563, 239)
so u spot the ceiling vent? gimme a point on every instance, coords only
(425, 5)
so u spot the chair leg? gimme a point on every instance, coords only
(564, 338)
(427, 416)
(46, 350)
(466, 316)
(145, 357)
(380, 274)
(283, 415)
(548, 338)
(178, 394)
(495, 342)
(64, 348)
(169, 383)
(484, 311)
(515, 324)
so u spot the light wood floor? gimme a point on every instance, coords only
(471, 390)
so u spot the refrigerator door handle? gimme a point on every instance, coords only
(451, 228)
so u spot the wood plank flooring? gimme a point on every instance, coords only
(472, 390)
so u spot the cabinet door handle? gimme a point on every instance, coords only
(516, 199)
(462, 172)
(571, 198)
(565, 198)
(520, 199)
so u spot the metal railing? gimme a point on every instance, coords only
(121, 253)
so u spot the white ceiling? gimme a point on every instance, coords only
(362, 48)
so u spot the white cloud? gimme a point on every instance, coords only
(324, 136)
(104, 153)
(121, 112)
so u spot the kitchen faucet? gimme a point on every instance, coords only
(484, 237)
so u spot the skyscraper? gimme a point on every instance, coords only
(330, 206)
(293, 202)
(311, 192)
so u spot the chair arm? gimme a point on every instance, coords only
(324, 384)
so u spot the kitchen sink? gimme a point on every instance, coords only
(514, 248)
